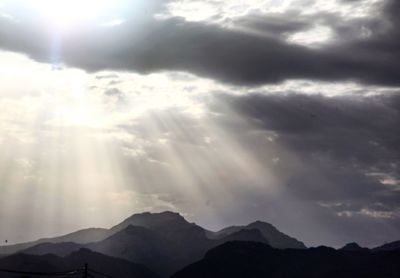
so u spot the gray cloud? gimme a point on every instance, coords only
(145, 44)
(343, 141)
(360, 128)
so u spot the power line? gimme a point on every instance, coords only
(64, 273)
(86, 272)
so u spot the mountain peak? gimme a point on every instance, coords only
(156, 217)
(160, 220)
(274, 237)
(164, 214)
(259, 223)
(353, 246)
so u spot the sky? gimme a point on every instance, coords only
(226, 111)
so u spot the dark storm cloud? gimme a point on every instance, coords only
(332, 153)
(145, 44)
(344, 141)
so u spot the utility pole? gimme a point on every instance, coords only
(85, 274)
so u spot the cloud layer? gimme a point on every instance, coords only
(249, 50)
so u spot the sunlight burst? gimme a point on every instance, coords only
(64, 13)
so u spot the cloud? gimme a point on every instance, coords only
(339, 143)
(323, 124)
(147, 44)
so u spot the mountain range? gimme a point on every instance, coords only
(52, 264)
(162, 243)
(254, 259)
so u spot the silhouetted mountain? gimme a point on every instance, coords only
(24, 262)
(274, 237)
(60, 249)
(165, 242)
(244, 235)
(162, 250)
(253, 259)
(165, 254)
(164, 220)
(138, 244)
(168, 220)
(171, 225)
(81, 237)
(76, 260)
(109, 265)
(389, 246)
(353, 246)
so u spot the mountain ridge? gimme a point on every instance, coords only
(254, 259)
(166, 221)
(390, 246)
(166, 242)
(276, 238)
(52, 263)
(353, 246)
(81, 236)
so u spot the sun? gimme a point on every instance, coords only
(68, 13)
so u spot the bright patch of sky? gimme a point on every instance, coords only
(314, 37)
(219, 10)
